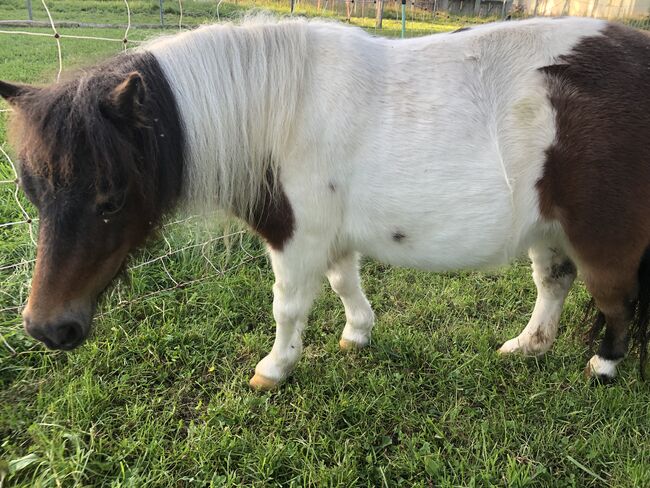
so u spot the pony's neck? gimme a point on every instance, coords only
(237, 89)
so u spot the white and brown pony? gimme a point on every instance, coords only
(521, 136)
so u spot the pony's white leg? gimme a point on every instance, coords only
(343, 276)
(553, 273)
(298, 273)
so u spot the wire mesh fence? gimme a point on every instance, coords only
(187, 254)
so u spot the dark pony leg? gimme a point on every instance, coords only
(614, 301)
(623, 302)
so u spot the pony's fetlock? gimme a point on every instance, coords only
(601, 370)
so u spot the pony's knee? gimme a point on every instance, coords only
(341, 283)
(344, 278)
(555, 276)
(291, 302)
(288, 312)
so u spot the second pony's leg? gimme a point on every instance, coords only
(343, 276)
(298, 270)
(553, 274)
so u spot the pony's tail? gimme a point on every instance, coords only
(641, 316)
(639, 330)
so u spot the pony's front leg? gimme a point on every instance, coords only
(343, 276)
(298, 273)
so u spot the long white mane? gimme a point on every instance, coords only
(238, 87)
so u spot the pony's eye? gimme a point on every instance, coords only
(110, 207)
(32, 186)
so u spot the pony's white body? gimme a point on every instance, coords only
(438, 139)
(422, 153)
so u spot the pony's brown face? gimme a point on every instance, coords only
(84, 238)
(90, 165)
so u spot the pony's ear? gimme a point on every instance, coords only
(124, 102)
(12, 93)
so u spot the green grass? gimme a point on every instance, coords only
(159, 396)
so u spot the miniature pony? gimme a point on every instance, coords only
(520, 136)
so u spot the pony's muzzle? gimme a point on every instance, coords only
(64, 335)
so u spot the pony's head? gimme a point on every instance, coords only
(90, 162)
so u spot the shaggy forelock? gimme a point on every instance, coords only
(66, 137)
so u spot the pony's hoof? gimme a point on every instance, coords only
(509, 347)
(523, 348)
(597, 379)
(262, 383)
(348, 345)
(600, 371)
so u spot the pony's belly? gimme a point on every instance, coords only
(438, 246)
(430, 257)
(437, 216)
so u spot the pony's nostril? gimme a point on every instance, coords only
(27, 324)
(67, 335)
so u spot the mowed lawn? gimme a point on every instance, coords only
(159, 395)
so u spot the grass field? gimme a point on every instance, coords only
(159, 395)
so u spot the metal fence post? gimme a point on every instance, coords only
(162, 14)
(379, 13)
(29, 9)
(403, 19)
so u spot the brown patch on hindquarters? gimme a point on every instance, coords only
(596, 179)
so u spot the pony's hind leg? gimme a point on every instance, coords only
(343, 276)
(615, 295)
(298, 273)
(553, 273)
